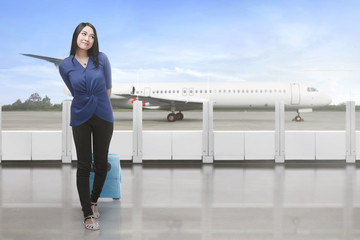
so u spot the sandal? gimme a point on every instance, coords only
(93, 226)
(96, 214)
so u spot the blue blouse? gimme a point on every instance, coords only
(88, 87)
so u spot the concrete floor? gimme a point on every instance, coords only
(187, 200)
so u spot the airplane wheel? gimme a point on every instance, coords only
(298, 119)
(179, 116)
(171, 117)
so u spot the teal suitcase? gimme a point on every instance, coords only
(112, 185)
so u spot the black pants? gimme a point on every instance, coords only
(101, 132)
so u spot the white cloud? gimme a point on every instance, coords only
(176, 74)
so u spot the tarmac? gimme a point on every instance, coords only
(156, 120)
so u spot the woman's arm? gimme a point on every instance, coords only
(66, 79)
(109, 92)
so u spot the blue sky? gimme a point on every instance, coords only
(303, 41)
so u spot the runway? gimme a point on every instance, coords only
(154, 120)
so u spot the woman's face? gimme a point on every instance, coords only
(86, 38)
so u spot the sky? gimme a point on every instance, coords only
(305, 41)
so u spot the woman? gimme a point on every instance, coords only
(87, 74)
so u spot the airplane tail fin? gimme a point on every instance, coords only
(55, 61)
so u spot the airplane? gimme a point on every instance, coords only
(182, 96)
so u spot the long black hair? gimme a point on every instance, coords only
(93, 51)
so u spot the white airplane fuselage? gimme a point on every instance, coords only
(225, 95)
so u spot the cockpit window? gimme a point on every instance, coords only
(311, 89)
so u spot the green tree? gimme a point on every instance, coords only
(35, 97)
(34, 102)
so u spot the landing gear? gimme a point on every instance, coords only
(179, 116)
(298, 118)
(172, 117)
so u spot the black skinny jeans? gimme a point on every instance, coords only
(101, 132)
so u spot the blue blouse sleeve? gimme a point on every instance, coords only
(107, 72)
(65, 77)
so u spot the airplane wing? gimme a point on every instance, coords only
(55, 61)
(166, 103)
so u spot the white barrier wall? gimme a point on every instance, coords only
(157, 145)
(330, 145)
(52, 141)
(357, 146)
(300, 145)
(265, 139)
(229, 145)
(121, 143)
(16, 145)
(189, 145)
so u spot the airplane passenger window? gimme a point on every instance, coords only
(196, 91)
(178, 91)
(161, 91)
(260, 91)
(200, 91)
(311, 89)
(243, 91)
(274, 90)
(205, 91)
(252, 91)
(209, 91)
(234, 91)
(165, 91)
(269, 91)
(265, 91)
(247, 91)
(219, 91)
(238, 91)
(256, 91)
(173, 91)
